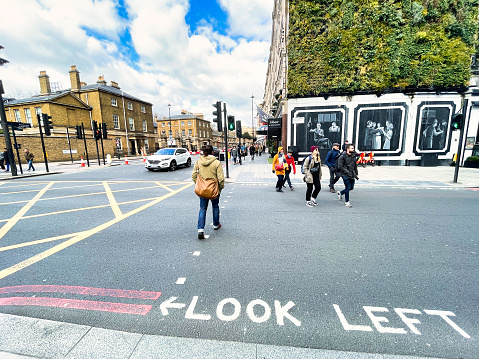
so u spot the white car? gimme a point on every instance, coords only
(168, 158)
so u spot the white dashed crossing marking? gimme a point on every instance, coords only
(181, 280)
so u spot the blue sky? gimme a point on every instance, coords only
(187, 53)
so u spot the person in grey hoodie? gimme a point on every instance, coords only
(208, 166)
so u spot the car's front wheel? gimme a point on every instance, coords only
(188, 162)
(173, 165)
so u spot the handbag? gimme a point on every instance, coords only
(280, 165)
(314, 170)
(206, 188)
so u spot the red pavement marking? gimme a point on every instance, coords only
(77, 304)
(106, 292)
(473, 189)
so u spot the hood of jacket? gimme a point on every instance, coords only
(206, 161)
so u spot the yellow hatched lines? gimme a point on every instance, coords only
(76, 237)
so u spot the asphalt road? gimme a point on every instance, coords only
(394, 274)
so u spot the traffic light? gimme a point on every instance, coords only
(457, 120)
(79, 132)
(104, 132)
(217, 114)
(231, 123)
(96, 130)
(239, 133)
(47, 124)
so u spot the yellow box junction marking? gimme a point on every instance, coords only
(76, 237)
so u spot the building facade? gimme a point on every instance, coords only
(187, 130)
(129, 120)
(405, 128)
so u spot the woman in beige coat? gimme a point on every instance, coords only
(312, 176)
(208, 166)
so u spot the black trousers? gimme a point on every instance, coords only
(333, 177)
(279, 184)
(310, 193)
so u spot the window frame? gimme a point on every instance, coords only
(118, 122)
(114, 102)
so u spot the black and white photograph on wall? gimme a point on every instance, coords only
(323, 129)
(379, 129)
(434, 128)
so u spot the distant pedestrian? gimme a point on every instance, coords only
(279, 163)
(251, 152)
(330, 161)
(6, 159)
(291, 168)
(208, 166)
(2, 161)
(345, 146)
(312, 176)
(234, 154)
(348, 169)
(29, 158)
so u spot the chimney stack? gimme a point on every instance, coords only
(101, 80)
(115, 85)
(45, 88)
(75, 78)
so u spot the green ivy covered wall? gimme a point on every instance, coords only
(380, 45)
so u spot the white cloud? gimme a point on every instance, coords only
(171, 65)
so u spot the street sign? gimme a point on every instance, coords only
(18, 126)
(67, 152)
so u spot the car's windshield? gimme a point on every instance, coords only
(166, 151)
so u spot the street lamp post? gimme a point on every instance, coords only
(169, 116)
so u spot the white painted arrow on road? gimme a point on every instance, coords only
(169, 304)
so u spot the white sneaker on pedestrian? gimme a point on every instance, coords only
(309, 204)
(313, 201)
(340, 196)
(347, 204)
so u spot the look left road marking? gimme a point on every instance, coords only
(82, 235)
(12, 221)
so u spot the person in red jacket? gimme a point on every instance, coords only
(291, 167)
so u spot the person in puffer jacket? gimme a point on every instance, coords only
(208, 166)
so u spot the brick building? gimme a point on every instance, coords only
(128, 118)
(188, 130)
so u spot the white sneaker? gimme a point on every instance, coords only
(340, 196)
(313, 201)
(347, 204)
(309, 204)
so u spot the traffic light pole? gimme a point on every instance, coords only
(43, 143)
(102, 151)
(69, 145)
(461, 137)
(84, 143)
(6, 134)
(16, 147)
(225, 129)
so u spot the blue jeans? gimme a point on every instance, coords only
(202, 215)
(30, 165)
(349, 186)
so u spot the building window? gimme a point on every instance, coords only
(163, 132)
(143, 108)
(118, 143)
(189, 123)
(132, 124)
(28, 116)
(146, 146)
(190, 132)
(182, 123)
(182, 133)
(16, 113)
(130, 106)
(116, 122)
(144, 126)
(113, 102)
(162, 124)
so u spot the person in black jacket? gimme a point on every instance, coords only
(348, 169)
(330, 161)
